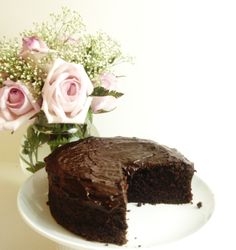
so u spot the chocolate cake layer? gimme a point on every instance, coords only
(91, 181)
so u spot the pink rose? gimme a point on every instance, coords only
(16, 105)
(109, 81)
(105, 103)
(66, 93)
(33, 46)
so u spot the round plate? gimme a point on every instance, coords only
(148, 225)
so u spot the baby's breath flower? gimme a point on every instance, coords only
(29, 59)
(66, 37)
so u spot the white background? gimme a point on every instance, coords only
(180, 92)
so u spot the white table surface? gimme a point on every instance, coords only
(16, 235)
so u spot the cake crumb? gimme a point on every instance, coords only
(106, 244)
(199, 204)
(135, 238)
(139, 245)
(139, 204)
(128, 210)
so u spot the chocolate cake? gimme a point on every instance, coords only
(91, 181)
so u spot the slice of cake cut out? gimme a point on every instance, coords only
(92, 180)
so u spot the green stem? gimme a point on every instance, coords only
(31, 159)
(25, 161)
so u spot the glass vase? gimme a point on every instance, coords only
(41, 138)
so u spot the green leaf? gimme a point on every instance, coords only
(39, 165)
(36, 167)
(25, 161)
(100, 91)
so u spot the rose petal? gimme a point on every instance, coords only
(33, 44)
(59, 105)
(109, 81)
(15, 124)
(103, 103)
(13, 112)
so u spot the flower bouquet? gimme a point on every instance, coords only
(55, 79)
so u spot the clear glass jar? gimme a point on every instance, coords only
(41, 138)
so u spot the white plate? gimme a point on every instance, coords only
(148, 225)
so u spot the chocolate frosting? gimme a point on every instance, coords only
(95, 169)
